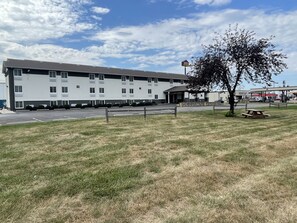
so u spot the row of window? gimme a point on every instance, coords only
(92, 90)
(65, 90)
(64, 75)
(20, 104)
(92, 77)
(53, 74)
(53, 89)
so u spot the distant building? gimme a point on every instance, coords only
(2, 94)
(34, 83)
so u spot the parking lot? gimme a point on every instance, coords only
(25, 116)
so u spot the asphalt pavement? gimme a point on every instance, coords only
(24, 116)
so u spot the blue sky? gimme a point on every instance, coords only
(139, 34)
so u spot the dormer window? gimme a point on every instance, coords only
(17, 72)
(64, 75)
(52, 74)
(92, 76)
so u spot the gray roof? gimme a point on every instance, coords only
(42, 65)
(178, 89)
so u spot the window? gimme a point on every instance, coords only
(156, 80)
(149, 91)
(18, 89)
(101, 90)
(182, 82)
(149, 80)
(52, 74)
(17, 72)
(92, 76)
(53, 103)
(92, 90)
(131, 90)
(131, 79)
(171, 81)
(64, 89)
(123, 78)
(65, 102)
(64, 74)
(53, 89)
(156, 96)
(19, 104)
(101, 77)
(124, 91)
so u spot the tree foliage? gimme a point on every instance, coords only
(234, 57)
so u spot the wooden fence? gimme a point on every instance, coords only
(278, 104)
(143, 111)
(222, 107)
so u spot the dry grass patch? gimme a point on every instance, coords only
(199, 167)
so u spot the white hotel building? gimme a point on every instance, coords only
(47, 83)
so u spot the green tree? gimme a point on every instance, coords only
(233, 57)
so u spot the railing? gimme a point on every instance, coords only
(143, 111)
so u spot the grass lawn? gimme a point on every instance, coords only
(198, 167)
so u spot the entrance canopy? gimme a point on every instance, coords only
(177, 89)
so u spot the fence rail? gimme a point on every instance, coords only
(221, 107)
(278, 104)
(143, 111)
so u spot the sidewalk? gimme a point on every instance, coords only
(5, 111)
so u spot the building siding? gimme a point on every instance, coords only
(36, 85)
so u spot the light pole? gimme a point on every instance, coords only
(185, 64)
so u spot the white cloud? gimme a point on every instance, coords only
(212, 2)
(159, 46)
(182, 38)
(49, 52)
(198, 2)
(32, 20)
(96, 17)
(100, 10)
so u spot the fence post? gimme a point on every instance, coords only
(144, 112)
(175, 111)
(286, 105)
(246, 106)
(269, 104)
(213, 108)
(106, 114)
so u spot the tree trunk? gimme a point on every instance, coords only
(231, 102)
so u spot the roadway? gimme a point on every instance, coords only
(24, 116)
